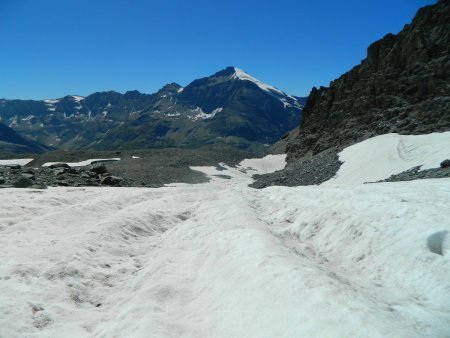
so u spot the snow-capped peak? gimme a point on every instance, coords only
(242, 75)
(285, 99)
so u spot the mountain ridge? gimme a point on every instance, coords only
(223, 107)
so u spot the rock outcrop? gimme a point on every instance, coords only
(403, 86)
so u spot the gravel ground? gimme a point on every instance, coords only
(153, 167)
(311, 170)
(415, 174)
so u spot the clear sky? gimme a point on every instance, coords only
(50, 48)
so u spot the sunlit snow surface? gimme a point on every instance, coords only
(19, 161)
(379, 157)
(221, 259)
(85, 162)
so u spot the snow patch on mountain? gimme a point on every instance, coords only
(201, 115)
(77, 98)
(28, 118)
(239, 74)
(242, 75)
(52, 101)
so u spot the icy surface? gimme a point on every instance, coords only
(19, 161)
(84, 163)
(380, 157)
(221, 259)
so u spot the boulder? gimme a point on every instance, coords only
(111, 180)
(23, 182)
(59, 165)
(445, 163)
(28, 175)
(99, 169)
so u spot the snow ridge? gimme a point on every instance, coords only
(239, 74)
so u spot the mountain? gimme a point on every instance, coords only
(403, 86)
(12, 142)
(228, 107)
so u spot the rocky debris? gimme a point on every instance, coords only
(59, 165)
(403, 86)
(416, 174)
(445, 164)
(110, 180)
(311, 170)
(59, 174)
(99, 169)
(23, 182)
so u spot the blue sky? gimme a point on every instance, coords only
(51, 48)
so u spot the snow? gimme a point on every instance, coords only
(84, 163)
(221, 259)
(380, 157)
(19, 161)
(77, 98)
(134, 156)
(200, 115)
(180, 90)
(52, 101)
(28, 118)
(242, 75)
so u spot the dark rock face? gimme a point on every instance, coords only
(403, 86)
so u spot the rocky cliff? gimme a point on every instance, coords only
(402, 86)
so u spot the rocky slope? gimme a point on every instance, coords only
(228, 107)
(403, 86)
(10, 141)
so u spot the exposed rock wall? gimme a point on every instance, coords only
(402, 86)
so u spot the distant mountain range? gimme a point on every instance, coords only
(229, 107)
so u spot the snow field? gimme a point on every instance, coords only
(19, 161)
(380, 157)
(85, 162)
(221, 259)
